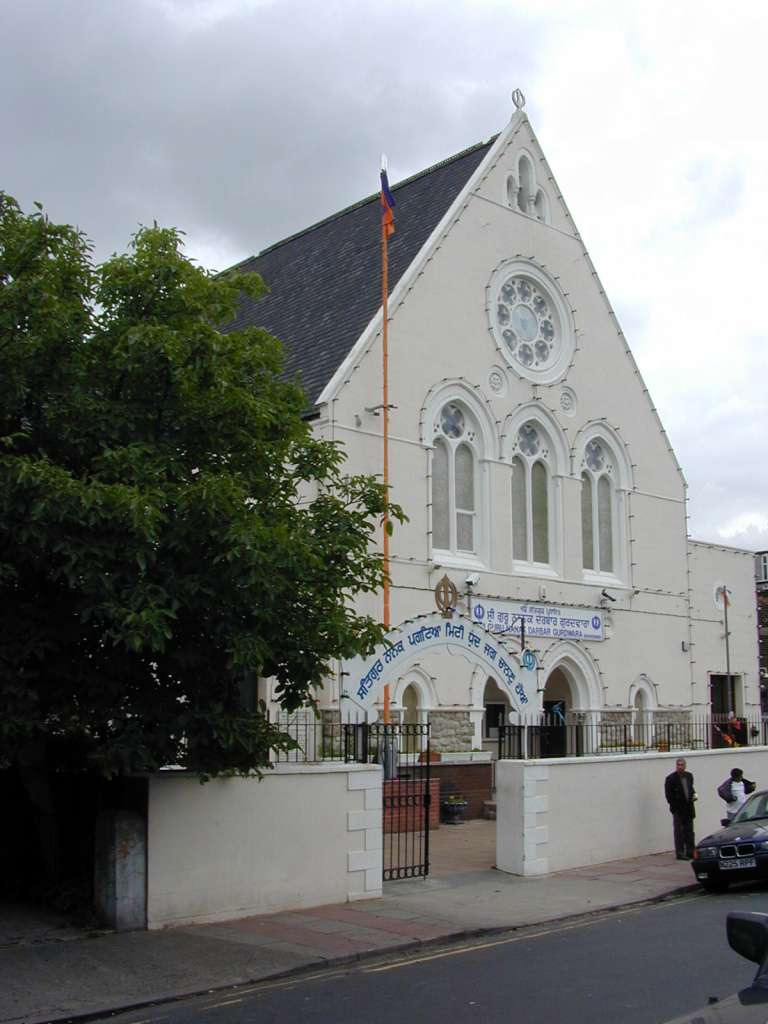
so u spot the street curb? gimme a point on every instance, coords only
(449, 939)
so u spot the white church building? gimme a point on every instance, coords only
(524, 448)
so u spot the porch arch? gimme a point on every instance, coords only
(581, 673)
(422, 683)
(642, 693)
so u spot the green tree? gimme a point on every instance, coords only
(170, 529)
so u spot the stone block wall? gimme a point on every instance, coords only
(451, 730)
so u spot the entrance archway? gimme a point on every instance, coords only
(558, 695)
(497, 707)
(409, 642)
(572, 694)
(557, 702)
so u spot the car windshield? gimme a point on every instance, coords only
(755, 807)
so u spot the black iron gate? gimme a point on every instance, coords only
(403, 751)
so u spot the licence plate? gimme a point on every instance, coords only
(737, 862)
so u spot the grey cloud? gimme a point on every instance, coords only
(245, 129)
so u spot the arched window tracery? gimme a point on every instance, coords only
(456, 450)
(599, 512)
(531, 497)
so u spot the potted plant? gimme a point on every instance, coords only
(453, 807)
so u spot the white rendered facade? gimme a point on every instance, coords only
(535, 460)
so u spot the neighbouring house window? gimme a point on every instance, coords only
(454, 481)
(530, 497)
(597, 508)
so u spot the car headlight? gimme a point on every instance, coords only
(705, 852)
(762, 846)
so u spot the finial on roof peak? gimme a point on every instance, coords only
(518, 98)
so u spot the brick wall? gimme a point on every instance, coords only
(473, 781)
(411, 793)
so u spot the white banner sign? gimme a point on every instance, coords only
(541, 620)
(364, 677)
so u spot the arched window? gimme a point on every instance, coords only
(598, 508)
(541, 206)
(525, 192)
(531, 497)
(511, 191)
(454, 481)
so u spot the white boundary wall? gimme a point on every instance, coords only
(302, 836)
(571, 812)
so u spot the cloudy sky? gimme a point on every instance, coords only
(241, 121)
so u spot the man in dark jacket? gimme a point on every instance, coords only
(735, 791)
(680, 794)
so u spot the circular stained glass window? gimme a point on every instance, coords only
(528, 323)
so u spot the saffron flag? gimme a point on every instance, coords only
(387, 201)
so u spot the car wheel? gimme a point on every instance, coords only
(714, 884)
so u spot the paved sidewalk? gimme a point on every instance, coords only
(56, 977)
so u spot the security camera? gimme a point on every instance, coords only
(472, 580)
(607, 596)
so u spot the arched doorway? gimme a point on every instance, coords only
(496, 707)
(557, 703)
(572, 700)
(642, 701)
(640, 718)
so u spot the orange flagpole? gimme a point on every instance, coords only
(385, 230)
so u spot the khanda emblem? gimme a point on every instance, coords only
(446, 597)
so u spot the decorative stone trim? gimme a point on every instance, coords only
(366, 863)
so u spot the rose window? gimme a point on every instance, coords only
(528, 323)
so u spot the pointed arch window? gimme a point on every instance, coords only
(531, 478)
(454, 481)
(526, 191)
(598, 508)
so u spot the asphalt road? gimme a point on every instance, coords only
(641, 966)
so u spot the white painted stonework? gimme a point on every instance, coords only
(570, 812)
(303, 836)
(586, 416)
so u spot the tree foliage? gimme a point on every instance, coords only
(170, 529)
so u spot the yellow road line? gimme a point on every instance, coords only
(521, 938)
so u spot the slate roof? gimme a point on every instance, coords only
(325, 281)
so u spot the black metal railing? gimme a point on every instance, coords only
(582, 736)
(326, 738)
